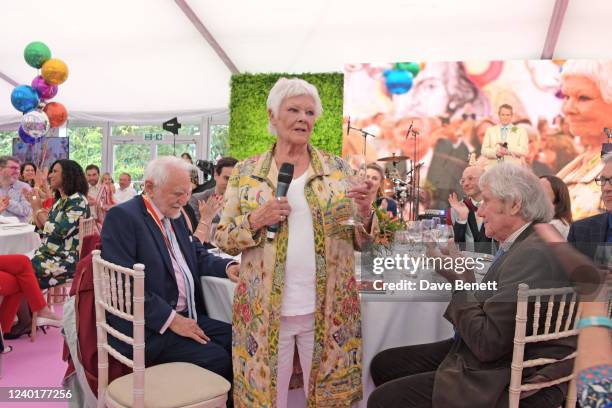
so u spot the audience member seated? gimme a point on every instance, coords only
(207, 205)
(54, 262)
(558, 193)
(589, 234)
(592, 364)
(105, 197)
(92, 172)
(17, 279)
(375, 174)
(469, 229)
(12, 200)
(473, 368)
(149, 229)
(125, 191)
(27, 173)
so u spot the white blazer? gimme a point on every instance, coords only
(518, 145)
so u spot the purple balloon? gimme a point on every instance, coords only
(25, 137)
(44, 90)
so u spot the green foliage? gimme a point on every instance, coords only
(6, 142)
(86, 145)
(219, 141)
(248, 132)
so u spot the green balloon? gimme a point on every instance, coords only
(412, 67)
(36, 54)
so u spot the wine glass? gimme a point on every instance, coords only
(353, 181)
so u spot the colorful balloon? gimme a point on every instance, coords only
(36, 54)
(24, 98)
(44, 90)
(55, 71)
(413, 67)
(398, 81)
(35, 123)
(57, 114)
(27, 138)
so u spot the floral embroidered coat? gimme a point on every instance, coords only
(55, 260)
(335, 378)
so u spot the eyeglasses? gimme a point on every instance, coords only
(11, 167)
(465, 116)
(601, 181)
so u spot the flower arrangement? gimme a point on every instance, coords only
(388, 226)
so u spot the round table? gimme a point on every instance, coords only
(388, 320)
(18, 239)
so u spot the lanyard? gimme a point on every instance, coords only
(153, 214)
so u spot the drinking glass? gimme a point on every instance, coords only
(353, 181)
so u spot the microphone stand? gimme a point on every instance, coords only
(365, 135)
(416, 177)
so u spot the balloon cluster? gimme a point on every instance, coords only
(31, 100)
(399, 79)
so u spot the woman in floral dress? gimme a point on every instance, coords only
(296, 288)
(56, 259)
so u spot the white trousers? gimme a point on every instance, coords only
(294, 330)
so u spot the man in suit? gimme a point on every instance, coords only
(473, 368)
(468, 228)
(589, 234)
(149, 229)
(505, 142)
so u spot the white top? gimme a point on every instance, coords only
(299, 294)
(122, 196)
(561, 226)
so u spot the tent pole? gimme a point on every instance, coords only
(554, 28)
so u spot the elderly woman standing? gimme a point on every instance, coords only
(299, 288)
(587, 106)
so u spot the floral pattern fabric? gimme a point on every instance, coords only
(594, 386)
(56, 259)
(335, 377)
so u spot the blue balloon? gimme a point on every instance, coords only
(27, 138)
(24, 98)
(398, 81)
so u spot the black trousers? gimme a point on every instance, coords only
(404, 377)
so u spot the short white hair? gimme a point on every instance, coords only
(287, 88)
(512, 183)
(600, 72)
(607, 159)
(158, 170)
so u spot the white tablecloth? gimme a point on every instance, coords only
(18, 240)
(387, 321)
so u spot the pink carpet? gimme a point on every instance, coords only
(37, 364)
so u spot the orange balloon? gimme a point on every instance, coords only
(558, 62)
(55, 71)
(57, 114)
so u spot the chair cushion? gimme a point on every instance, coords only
(171, 385)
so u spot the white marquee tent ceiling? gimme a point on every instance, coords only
(132, 59)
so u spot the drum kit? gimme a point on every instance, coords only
(403, 189)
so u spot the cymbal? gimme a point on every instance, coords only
(393, 158)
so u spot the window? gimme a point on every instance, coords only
(6, 142)
(219, 141)
(86, 145)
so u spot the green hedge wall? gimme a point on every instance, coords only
(248, 128)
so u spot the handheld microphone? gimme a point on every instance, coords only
(285, 175)
(606, 148)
